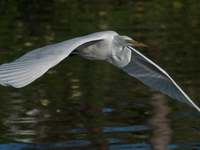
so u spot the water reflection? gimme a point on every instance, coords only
(39, 119)
(184, 146)
(76, 143)
(75, 105)
(79, 143)
(113, 129)
(15, 124)
(189, 113)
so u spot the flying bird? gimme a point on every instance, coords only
(106, 45)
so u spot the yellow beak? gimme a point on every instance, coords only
(135, 43)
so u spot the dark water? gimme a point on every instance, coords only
(83, 104)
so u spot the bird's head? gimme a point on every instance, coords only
(135, 43)
(127, 41)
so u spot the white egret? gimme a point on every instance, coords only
(105, 45)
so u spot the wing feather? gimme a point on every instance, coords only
(154, 76)
(35, 63)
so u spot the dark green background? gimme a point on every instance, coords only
(75, 93)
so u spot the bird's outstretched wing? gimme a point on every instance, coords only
(154, 76)
(35, 63)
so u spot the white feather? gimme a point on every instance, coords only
(106, 45)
